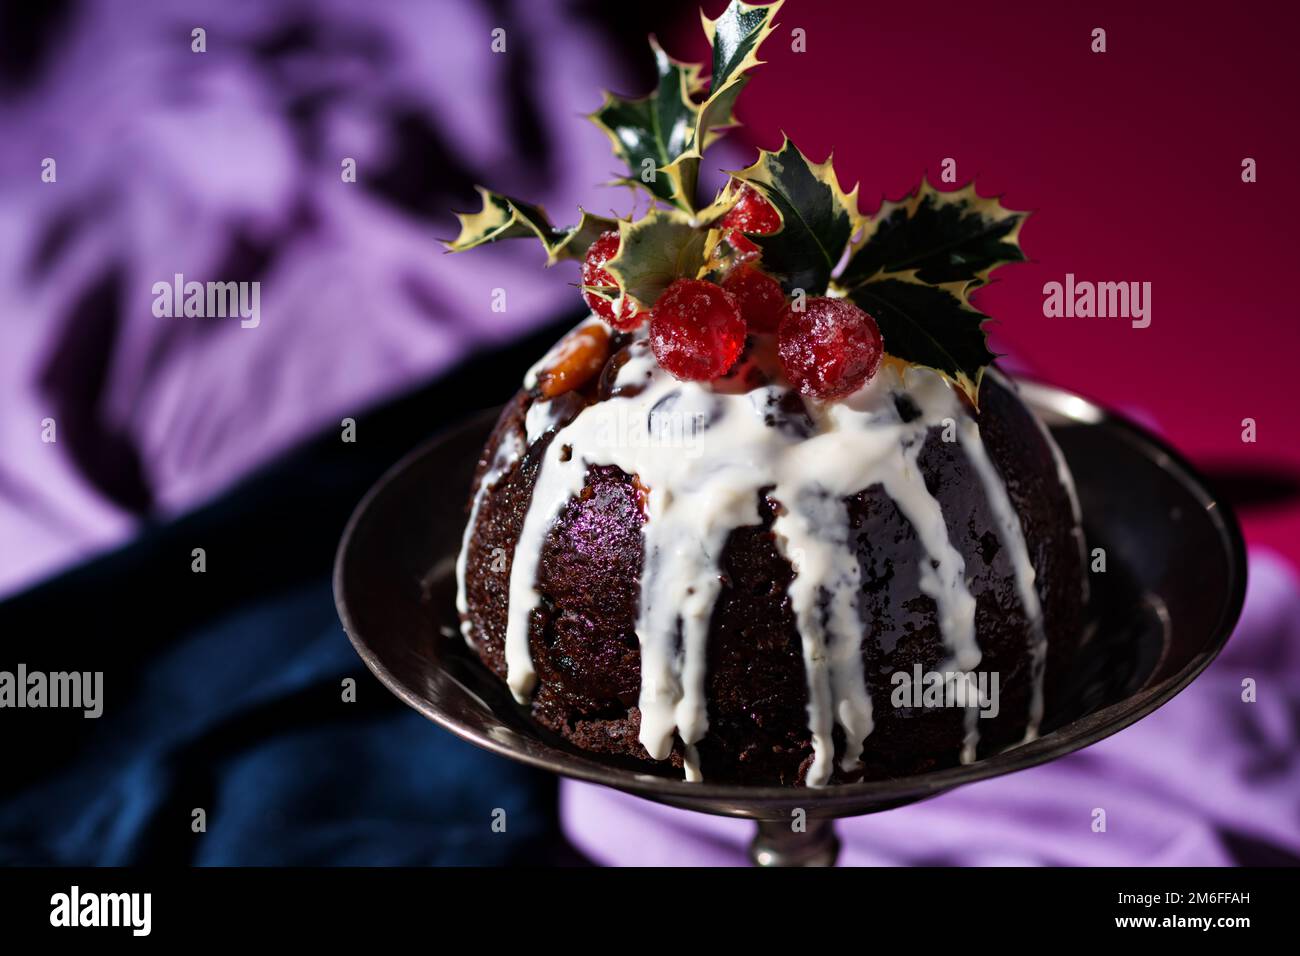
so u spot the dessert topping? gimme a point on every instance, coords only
(593, 274)
(696, 330)
(753, 214)
(575, 360)
(829, 349)
(762, 303)
(912, 266)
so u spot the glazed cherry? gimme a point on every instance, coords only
(576, 359)
(753, 214)
(696, 331)
(761, 301)
(593, 273)
(830, 349)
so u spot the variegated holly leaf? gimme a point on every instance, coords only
(944, 237)
(720, 257)
(503, 217)
(651, 132)
(610, 293)
(735, 37)
(661, 246)
(577, 239)
(929, 324)
(709, 216)
(817, 217)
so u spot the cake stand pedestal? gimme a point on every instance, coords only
(779, 844)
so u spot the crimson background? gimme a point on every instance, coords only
(1130, 159)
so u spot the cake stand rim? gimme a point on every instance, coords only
(1064, 408)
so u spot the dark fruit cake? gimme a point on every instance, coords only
(766, 516)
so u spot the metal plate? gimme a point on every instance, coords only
(1170, 597)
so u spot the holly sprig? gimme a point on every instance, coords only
(652, 133)
(503, 217)
(818, 218)
(912, 266)
(662, 137)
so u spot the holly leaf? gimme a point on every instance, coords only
(650, 133)
(503, 217)
(943, 236)
(735, 37)
(661, 246)
(500, 218)
(933, 325)
(817, 217)
(577, 239)
(661, 137)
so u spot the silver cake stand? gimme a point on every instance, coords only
(1171, 595)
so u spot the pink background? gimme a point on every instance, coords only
(1132, 161)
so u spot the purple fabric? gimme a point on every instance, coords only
(1207, 780)
(225, 166)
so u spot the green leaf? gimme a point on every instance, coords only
(656, 249)
(503, 217)
(651, 132)
(735, 37)
(944, 237)
(577, 239)
(661, 137)
(930, 325)
(817, 217)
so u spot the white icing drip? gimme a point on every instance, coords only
(943, 575)
(1066, 478)
(814, 537)
(866, 444)
(509, 451)
(703, 486)
(970, 740)
(1039, 651)
(1013, 539)
(539, 419)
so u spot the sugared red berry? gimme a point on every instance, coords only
(745, 247)
(696, 330)
(593, 274)
(753, 214)
(830, 349)
(761, 301)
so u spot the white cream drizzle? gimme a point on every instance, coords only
(509, 451)
(1013, 539)
(705, 456)
(1064, 476)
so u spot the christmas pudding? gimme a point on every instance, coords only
(768, 515)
